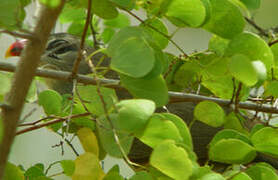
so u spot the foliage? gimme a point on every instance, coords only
(236, 64)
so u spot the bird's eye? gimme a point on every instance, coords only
(16, 50)
(54, 44)
(65, 49)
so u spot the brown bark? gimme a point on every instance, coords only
(23, 77)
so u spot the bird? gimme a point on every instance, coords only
(61, 52)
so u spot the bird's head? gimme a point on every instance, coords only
(16, 48)
(60, 52)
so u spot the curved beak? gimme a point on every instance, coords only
(8, 52)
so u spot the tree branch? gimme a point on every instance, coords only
(29, 36)
(23, 77)
(80, 52)
(175, 97)
(50, 123)
(273, 42)
(258, 28)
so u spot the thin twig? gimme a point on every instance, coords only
(273, 42)
(71, 106)
(106, 113)
(69, 144)
(82, 42)
(57, 174)
(157, 30)
(237, 99)
(38, 121)
(35, 127)
(261, 30)
(29, 35)
(72, 147)
(94, 33)
(61, 144)
(50, 166)
(28, 114)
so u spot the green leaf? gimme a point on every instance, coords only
(218, 45)
(68, 167)
(154, 89)
(87, 167)
(35, 171)
(88, 140)
(5, 80)
(133, 114)
(76, 28)
(159, 129)
(241, 176)
(70, 14)
(12, 172)
(107, 34)
(214, 66)
(104, 9)
(199, 172)
(127, 33)
(220, 86)
(226, 19)
(92, 100)
(271, 89)
(135, 57)
(274, 49)
(120, 21)
(10, 14)
(126, 4)
(141, 175)
(227, 151)
(259, 172)
(210, 113)
(113, 174)
(212, 176)
(161, 64)
(207, 6)
(187, 74)
(256, 128)
(182, 127)
(85, 121)
(51, 3)
(171, 160)
(265, 140)
(161, 40)
(229, 134)
(186, 13)
(51, 101)
(252, 46)
(107, 138)
(233, 122)
(156, 174)
(243, 70)
(252, 4)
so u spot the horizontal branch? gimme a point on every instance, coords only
(50, 123)
(115, 84)
(29, 35)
